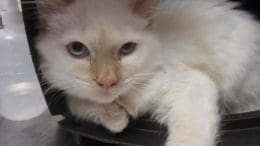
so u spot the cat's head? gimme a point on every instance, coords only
(97, 49)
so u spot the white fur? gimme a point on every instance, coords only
(195, 54)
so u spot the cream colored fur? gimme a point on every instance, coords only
(195, 59)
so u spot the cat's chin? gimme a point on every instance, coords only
(104, 100)
(104, 97)
(99, 96)
(101, 99)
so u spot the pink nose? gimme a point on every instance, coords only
(107, 83)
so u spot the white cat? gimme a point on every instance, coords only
(184, 61)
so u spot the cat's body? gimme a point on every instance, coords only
(193, 59)
(222, 42)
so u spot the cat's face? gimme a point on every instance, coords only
(98, 50)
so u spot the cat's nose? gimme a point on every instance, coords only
(107, 83)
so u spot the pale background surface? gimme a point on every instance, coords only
(20, 93)
(41, 131)
(21, 98)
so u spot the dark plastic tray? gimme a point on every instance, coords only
(236, 130)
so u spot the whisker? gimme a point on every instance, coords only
(128, 80)
(57, 95)
(146, 74)
(141, 75)
(31, 8)
(55, 98)
(135, 88)
(49, 89)
(140, 83)
(44, 82)
(33, 2)
(83, 82)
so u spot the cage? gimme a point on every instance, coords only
(236, 130)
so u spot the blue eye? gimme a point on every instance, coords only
(78, 49)
(127, 48)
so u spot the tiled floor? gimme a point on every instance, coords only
(20, 93)
(41, 131)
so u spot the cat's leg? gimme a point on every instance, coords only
(112, 116)
(129, 105)
(193, 118)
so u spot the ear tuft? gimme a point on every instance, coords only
(145, 8)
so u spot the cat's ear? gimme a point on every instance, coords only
(46, 8)
(144, 8)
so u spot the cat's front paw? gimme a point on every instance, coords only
(114, 118)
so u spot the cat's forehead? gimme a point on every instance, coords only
(96, 16)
